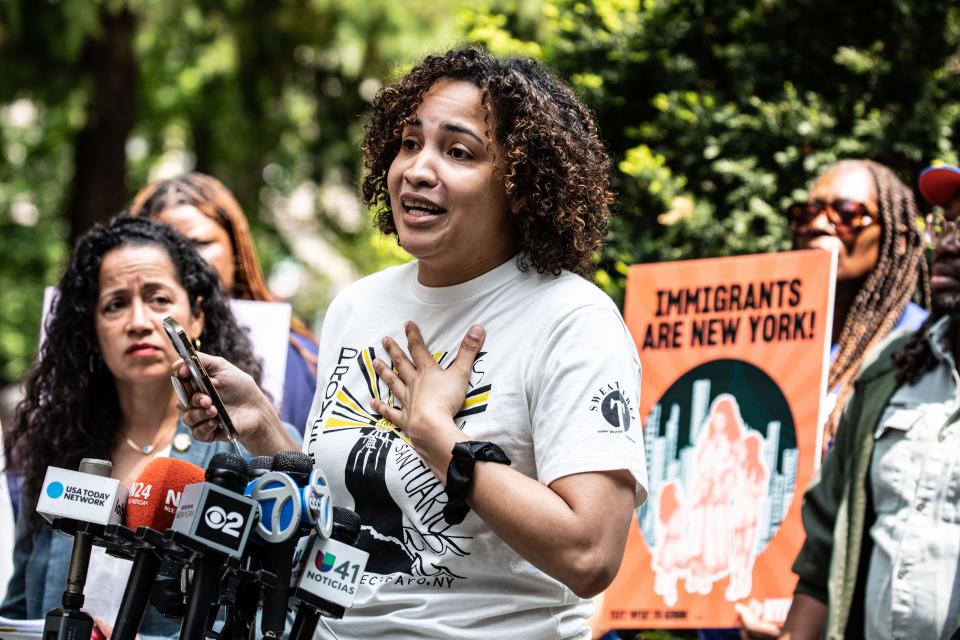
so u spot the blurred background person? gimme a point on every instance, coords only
(890, 479)
(869, 216)
(203, 210)
(101, 389)
(864, 212)
(861, 209)
(893, 478)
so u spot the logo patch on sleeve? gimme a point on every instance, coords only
(614, 406)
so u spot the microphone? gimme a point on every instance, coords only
(88, 495)
(331, 575)
(257, 466)
(156, 494)
(68, 499)
(280, 499)
(152, 504)
(241, 609)
(314, 509)
(212, 525)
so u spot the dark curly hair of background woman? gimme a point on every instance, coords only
(555, 166)
(70, 410)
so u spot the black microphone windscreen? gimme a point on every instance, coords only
(228, 470)
(258, 465)
(346, 525)
(228, 461)
(292, 462)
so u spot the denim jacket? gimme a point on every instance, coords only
(41, 559)
(838, 507)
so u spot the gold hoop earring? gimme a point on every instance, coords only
(196, 343)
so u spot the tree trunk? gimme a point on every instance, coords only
(99, 187)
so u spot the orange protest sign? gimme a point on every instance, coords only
(735, 355)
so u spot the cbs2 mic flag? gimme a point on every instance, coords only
(219, 518)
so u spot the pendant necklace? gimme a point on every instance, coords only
(150, 448)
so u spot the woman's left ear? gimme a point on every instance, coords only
(197, 321)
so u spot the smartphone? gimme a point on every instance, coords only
(199, 381)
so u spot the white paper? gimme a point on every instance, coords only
(268, 325)
(6, 528)
(20, 629)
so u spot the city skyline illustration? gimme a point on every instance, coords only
(669, 458)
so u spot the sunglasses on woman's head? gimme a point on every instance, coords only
(841, 212)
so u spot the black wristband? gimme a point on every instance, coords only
(460, 475)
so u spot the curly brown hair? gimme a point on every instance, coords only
(555, 167)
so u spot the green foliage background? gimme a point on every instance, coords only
(267, 96)
(717, 113)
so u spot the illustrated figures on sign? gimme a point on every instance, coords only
(709, 533)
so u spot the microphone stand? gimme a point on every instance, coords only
(195, 537)
(241, 615)
(143, 572)
(69, 622)
(346, 529)
(206, 577)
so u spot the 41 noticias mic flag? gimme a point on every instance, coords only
(735, 356)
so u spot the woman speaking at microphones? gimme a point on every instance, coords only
(101, 389)
(477, 406)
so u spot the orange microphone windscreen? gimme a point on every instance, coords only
(155, 495)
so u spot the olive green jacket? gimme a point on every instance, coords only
(838, 508)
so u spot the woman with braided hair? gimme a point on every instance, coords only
(203, 210)
(864, 211)
(879, 558)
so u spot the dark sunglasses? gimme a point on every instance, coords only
(840, 212)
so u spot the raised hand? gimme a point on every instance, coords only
(429, 395)
(752, 627)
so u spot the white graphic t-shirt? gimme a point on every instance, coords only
(556, 386)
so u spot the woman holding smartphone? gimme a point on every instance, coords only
(101, 389)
